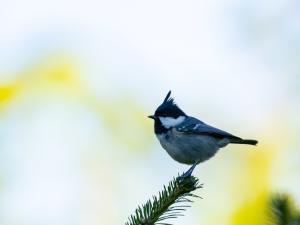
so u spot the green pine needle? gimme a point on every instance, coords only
(283, 211)
(171, 202)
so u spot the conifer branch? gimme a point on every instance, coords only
(171, 202)
(283, 211)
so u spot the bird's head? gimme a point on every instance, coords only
(168, 114)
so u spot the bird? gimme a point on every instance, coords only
(187, 139)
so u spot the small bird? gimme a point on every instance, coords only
(187, 139)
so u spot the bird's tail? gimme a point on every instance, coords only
(244, 141)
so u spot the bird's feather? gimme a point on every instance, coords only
(195, 126)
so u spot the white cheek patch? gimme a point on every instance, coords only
(169, 122)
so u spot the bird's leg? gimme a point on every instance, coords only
(190, 171)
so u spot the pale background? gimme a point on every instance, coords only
(78, 78)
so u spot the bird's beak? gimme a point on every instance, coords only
(152, 117)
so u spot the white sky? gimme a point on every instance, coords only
(198, 49)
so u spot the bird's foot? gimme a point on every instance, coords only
(189, 172)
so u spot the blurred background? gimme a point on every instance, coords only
(78, 79)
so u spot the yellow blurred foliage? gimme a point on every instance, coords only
(59, 76)
(252, 212)
(7, 92)
(48, 74)
(253, 187)
(55, 70)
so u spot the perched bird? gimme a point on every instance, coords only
(187, 139)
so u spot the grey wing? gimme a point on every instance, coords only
(195, 126)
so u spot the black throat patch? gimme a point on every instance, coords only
(159, 128)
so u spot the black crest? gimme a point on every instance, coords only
(169, 108)
(167, 98)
